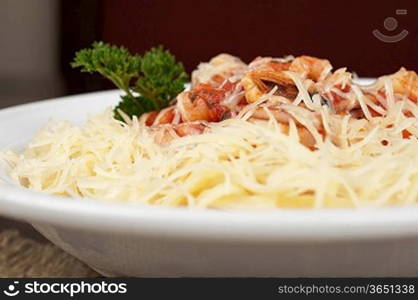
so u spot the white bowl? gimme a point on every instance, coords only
(135, 240)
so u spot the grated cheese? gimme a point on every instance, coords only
(235, 164)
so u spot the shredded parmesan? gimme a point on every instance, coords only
(234, 164)
(303, 95)
(362, 102)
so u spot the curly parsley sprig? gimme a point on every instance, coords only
(150, 81)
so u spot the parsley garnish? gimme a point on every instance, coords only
(150, 81)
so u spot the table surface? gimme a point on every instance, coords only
(25, 229)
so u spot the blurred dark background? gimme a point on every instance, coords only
(39, 37)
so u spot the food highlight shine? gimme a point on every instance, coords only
(275, 133)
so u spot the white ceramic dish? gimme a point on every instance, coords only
(134, 240)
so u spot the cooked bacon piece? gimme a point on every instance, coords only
(164, 116)
(202, 103)
(405, 83)
(259, 82)
(310, 67)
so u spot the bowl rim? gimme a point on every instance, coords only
(290, 225)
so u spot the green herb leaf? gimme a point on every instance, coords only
(157, 76)
(133, 106)
(162, 78)
(115, 63)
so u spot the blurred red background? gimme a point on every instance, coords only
(197, 30)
